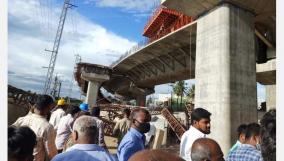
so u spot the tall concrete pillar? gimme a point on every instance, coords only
(95, 81)
(141, 100)
(270, 96)
(226, 71)
(92, 93)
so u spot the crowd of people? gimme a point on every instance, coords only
(72, 133)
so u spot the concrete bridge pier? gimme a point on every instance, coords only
(226, 71)
(141, 100)
(270, 96)
(94, 84)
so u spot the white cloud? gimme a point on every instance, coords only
(31, 30)
(128, 5)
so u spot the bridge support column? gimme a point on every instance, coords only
(270, 96)
(92, 93)
(95, 81)
(226, 71)
(141, 100)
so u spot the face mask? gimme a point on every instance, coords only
(143, 127)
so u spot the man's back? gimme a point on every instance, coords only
(84, 152)
(122, 126)
(245, 152)
(63, 131)
(44, 132)
(55, 117)
(100, 127)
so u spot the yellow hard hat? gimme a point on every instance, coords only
(61, 102)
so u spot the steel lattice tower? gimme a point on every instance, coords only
(56, 44)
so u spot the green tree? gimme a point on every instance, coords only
(191, 93)
(179, 88)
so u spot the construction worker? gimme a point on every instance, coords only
(58, 113)
(84, 107)
(123, 125)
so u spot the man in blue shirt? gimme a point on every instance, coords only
(250, 149)
(85, 133)
(134, 140)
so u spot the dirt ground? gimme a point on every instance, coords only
(111, 143)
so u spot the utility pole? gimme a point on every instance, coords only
(77, 60)
(56, 44)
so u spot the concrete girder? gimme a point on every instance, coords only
(140, 68)
(133, 75)
(175, 58)
(147, 67)
(166, 64)
(157, 66)
(186, 53)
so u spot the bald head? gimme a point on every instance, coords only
(154, 155)
(206, 149)
(85, 130)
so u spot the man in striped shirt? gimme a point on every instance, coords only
(250, 150)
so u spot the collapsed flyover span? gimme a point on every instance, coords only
(228, 47)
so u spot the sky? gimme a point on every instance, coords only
(100, 31)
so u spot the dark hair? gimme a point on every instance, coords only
(21, 142)
(96, 111)
(268, 135)
(72, 110)
(200, 113)
(43, 101)
(126, 111)
(242, 129)
(133, 114)
(253, 129)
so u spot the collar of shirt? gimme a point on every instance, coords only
(196, 132)
(86, 147)
(137, 133)
(38, 116)
(59, 110)
(69, 115)
(247, 146)
(238, 142)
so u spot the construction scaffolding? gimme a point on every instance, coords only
(163, 22)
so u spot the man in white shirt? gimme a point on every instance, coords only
(200, 119)
(57, 114)
(65, 127)
(45, 147)
(149, 136)
(100, 125)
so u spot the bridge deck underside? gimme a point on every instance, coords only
(168, 59)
